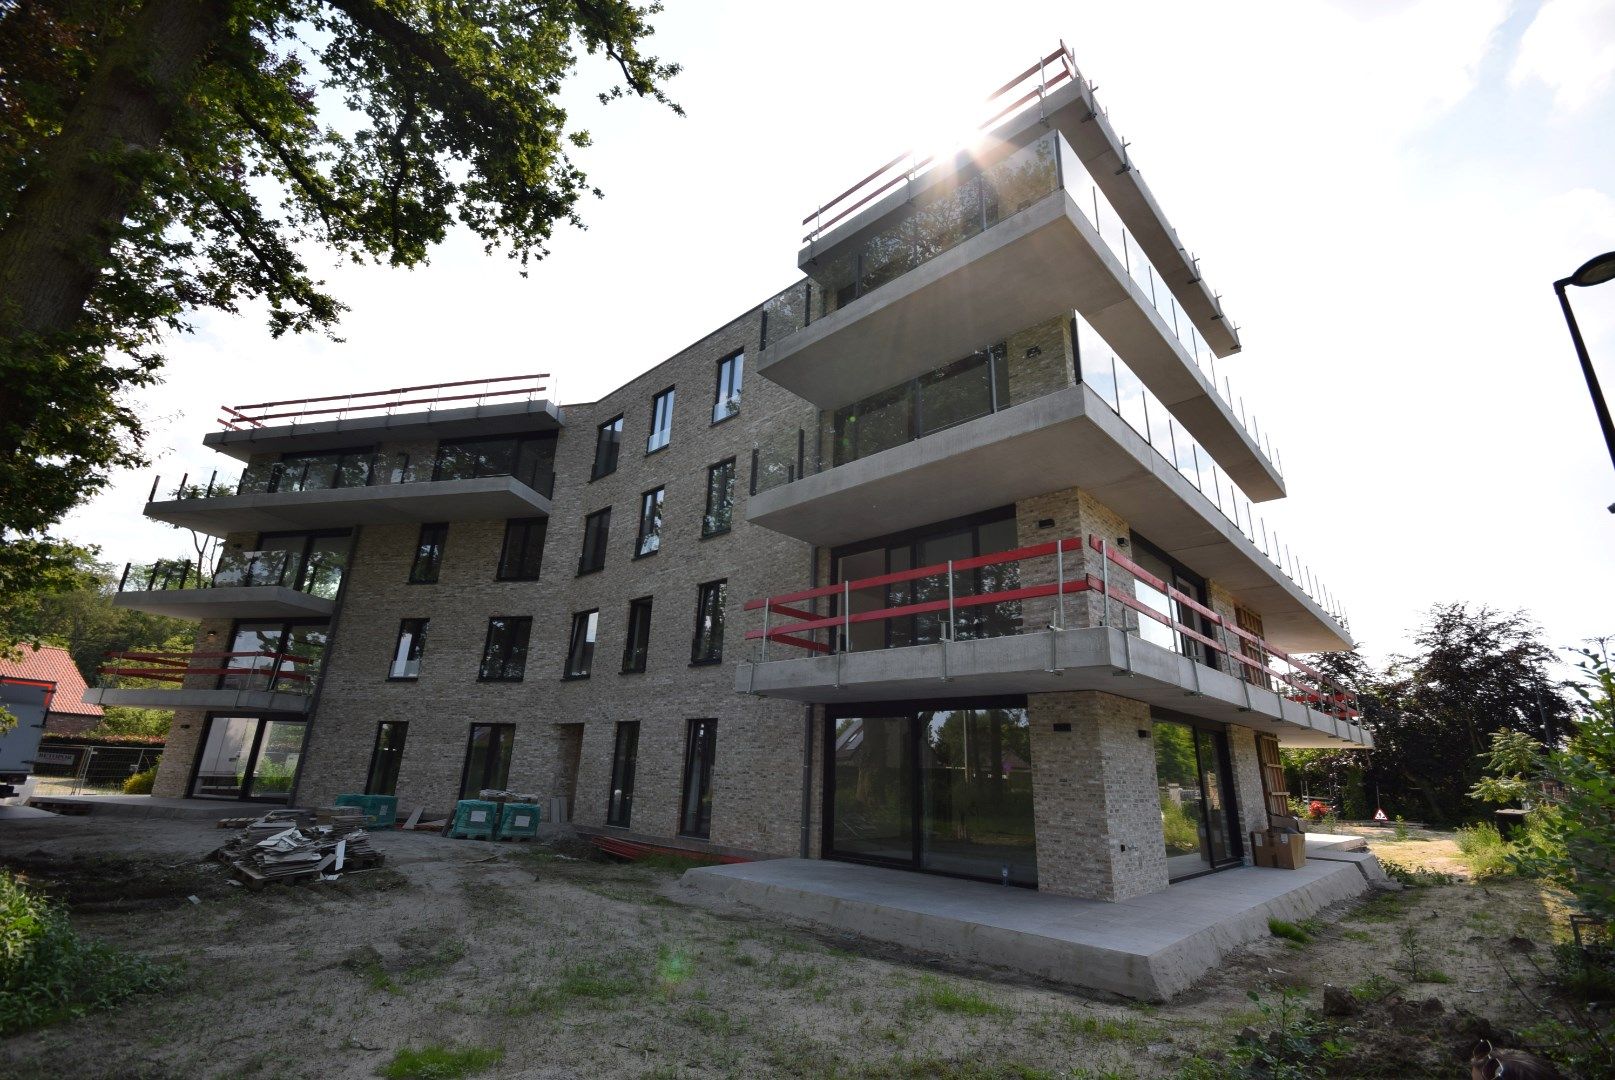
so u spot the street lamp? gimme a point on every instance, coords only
(1594, 271)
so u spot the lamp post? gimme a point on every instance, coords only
(1594, 271)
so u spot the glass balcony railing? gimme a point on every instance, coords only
(355, 471)
(945, 216)
(317, 573)
(1024, 367)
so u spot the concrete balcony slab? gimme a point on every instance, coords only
(1150, 947)
(232, 701)
(1044, 662)
(511, 418)
(1044, 260)
(236, 602)
(484, 499)
(1066, 439)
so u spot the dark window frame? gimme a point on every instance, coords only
(655, 408)
(500, 731)
(488, 642)
(371, 787)
(655, 498)
(602, 539)
(501, 572)
(696, 821)
(996, 359)
(720, 588)
(639, 607)
(417, 648)
(614, 425)
(580, 622)
(415, 577)
(279, 469)
(540, 480)
(707, 515)
(736, 362)
(624, 768)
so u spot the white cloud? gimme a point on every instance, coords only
(1569, 48)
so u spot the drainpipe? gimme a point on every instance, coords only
(807, 733)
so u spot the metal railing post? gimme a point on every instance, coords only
(1104, 584)
(1059, 582)
(766, 604)
(846, 617)
(951, 625)
(124, 580)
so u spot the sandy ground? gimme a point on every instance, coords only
(575, 967)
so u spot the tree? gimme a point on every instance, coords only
(158, 157)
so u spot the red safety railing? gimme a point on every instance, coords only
(175, 667)
(242, 417)
(1246, 654)
(1015, 95)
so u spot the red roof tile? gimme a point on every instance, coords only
(51, 663)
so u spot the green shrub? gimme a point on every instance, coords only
(1289, 931)
(1400, 830)
(1484, 849)
(440, 1062)
(48, 972)
(140, 783)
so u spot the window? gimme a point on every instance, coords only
(650, 523)
(707, 648)
(487, 759)
(636, 648)
(940, 399)
(580, 653)
(596, 528)
(624, 759)
(523, 553)
(385, 758)
(528, 458)
(730, 372)
(720, 498)
(504, 655)
(607, 441)
(310, 562)
(695, 816)
(322, 469)
(428, 554)
(661, 421)
(409, 650)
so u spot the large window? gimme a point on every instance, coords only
(649, 540)
(504, 654)
(636, 646)
(661, 421)
(580, 651)
(950, 395)
(385, 758)
(428, 554)
(1198, 821)
(310, 562)
(280, 656)
(946, 788)
(720, 510)
(487, 759)
(522, 555)
(409, 650)
(963, 538)
(322, 469)
(624, 761)
(1175, 574)
(726, 403)
(707, 647)
(596, 531)
(529, 458)
(607, 441)
(695, 808)
(248, 758)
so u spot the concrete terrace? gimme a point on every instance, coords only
(1151, 947)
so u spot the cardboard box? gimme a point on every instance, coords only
(1282, 851)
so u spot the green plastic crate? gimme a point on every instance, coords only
(380, 811)
(519, 821)
(474, 819)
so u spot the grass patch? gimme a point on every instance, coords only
(365, 962)
(49, 973)
(938, 995)
(1417, 877)
(1105, 1028)
(592, 981)
(1289, 931)
(440, 1062)
(1484, 849)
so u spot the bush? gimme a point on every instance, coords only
(1485, 850)
(140, 783)
(1316, 809)
(48, 972)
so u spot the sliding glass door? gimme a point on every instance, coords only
(1199, 820)
(248, 757)
(943, 789)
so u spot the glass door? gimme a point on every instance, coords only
(1197, 801)
(871, 808)
(248, 757)
(487, 758)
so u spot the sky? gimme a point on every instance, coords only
(1383, 191)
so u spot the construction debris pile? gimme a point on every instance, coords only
(288, 845)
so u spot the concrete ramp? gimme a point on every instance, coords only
(1150, 947)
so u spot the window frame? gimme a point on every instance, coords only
(619, 814)
(655, 499)
(736, 362)
(614, 425)
(499, 734)
(706, 515)
(442, 545)
(707, 747)
(636, 606)
(417, 645)
(655, 408)
(487, 643)
(589, 622)
(601, 543)
(500, 571)
(720, 588)
(402, 728)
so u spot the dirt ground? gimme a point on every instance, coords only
(576, 967)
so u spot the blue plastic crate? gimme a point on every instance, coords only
(474, 819)
(519, 821)
(380, 811)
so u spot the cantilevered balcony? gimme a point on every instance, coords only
(1065, 615)
(250, 681)
(275, 584)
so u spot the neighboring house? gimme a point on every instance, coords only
(68, 714)
(943, 558)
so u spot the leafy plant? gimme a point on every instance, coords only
(1415, 958)
(440, 1062)
(48, 972)
(1510, 761)
(141, 783)
(1400, 830)
(1289, 931)
(1485, 850)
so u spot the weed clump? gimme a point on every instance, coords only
(440, 1062)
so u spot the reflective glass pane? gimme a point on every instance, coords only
(976, 794)
(222, 765)
(279, 752)
(873, 795)
(1183, 812)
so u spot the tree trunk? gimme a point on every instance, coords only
(65, 221)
